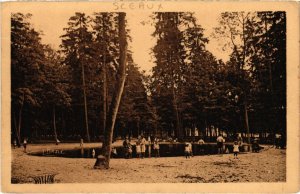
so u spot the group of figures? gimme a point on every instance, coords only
(236, 145)
(143, 147)
(15, 145)
(140, 147)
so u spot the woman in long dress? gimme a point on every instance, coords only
(143, 146)
(138, 147)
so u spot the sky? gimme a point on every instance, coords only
(52, 22)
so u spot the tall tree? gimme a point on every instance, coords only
(55, 85)
(106, 51)
(269, 67)
(135, 114)
(180, 46)
(114, 106)
(235, 27)
(76, 45)
(26, 58)
(169, 58)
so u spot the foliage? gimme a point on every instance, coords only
(73, 89)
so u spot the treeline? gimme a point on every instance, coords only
(66, 94)
(191, 89)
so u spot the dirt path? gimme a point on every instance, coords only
(267, 166)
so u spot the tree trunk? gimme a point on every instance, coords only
(111, 117)
(20, 119)
(210, 133)
(85, 104)
(104, 89)
(104, 96)
(84, 95)
(20, 122)
(63, 124)
(16, 130)
(155, 129)
(54, 124)
(245, 100)
(206, 130)
(268, 63)
(138, 127)
(178, 128)
(246, 121)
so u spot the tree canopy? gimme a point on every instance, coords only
(68, 94)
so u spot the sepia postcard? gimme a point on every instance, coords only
(150, 96)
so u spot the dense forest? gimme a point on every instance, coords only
(67, 94)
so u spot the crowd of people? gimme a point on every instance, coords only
(143, 147)
(140, 147)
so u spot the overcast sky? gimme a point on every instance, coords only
(52, 25)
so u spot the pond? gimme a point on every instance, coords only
(166, 150)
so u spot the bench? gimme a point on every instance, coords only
(44, 179)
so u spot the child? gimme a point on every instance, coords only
(156, 147)
(25, 144)
(255, 146)
(93, 153)
(138, 149)
(187, 150)
(129, 150)
(114, 152)
(143, 146)
(190, 149)
(235, 149)
(201, 146)
(81, 148)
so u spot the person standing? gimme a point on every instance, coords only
(239, 139)
(187, 150)
(129, 149)
(138, 148)
(201, 145)
(255, 145)
(25, 144)
(235, 149)
(114, 152)
(149, 147)
(126, 147)
(81, 148)
(143, 146)
(220, 142)
(156, 147)
(190, 149)
(93, 153)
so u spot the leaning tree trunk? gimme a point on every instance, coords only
(104, 89)
(104, 96)
(85, 104)
(114, 106)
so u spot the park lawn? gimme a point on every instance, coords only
(267, 166)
